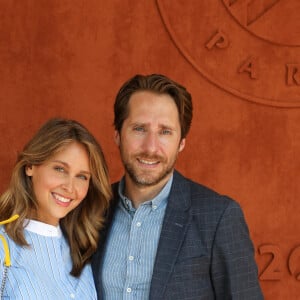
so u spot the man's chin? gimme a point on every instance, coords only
(143, 180)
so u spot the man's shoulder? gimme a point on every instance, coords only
(203, 195)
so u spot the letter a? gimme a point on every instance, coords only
(250, 67)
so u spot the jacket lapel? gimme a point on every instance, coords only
(173, 231)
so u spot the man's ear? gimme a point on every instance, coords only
(181, 145)
(117, 138)
(29, 170)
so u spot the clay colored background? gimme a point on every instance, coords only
(240, 61)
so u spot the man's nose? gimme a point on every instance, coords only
(151, 142)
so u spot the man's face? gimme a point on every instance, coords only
(150, 138)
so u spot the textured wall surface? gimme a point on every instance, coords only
(241, 61)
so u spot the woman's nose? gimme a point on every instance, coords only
(68, 185)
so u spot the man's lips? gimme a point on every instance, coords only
(148, 162)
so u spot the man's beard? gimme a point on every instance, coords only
(144, 179)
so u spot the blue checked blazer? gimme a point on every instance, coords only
(204, 250)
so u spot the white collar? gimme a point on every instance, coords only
(42, 228)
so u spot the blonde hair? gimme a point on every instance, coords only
(80, 226)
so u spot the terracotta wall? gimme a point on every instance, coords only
(240, 60)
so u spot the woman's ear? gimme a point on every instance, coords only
(29, 170)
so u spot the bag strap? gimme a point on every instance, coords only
(7, 262)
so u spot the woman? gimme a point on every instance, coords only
(59, 189)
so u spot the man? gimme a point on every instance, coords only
(166, 236)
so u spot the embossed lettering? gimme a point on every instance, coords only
(250, 66)
(273, 270)
(220, 40)
(292, 262)
(293, 74)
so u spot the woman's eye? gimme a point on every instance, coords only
(59, 169)
(83, 177)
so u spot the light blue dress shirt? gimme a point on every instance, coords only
(131, 247)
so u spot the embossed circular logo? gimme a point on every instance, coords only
(250, 48)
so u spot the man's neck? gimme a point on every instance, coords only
(139, 194)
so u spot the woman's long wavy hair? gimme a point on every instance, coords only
(80, 226)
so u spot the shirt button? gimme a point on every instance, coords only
(72, 296)
(131, 257)
(138, 224)
(154, 207)
(128, 290)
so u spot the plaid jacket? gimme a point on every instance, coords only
(204, 250)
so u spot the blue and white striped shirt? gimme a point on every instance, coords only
(42, 270)
(131, 247)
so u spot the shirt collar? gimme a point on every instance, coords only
(42, 228)
(155, 202)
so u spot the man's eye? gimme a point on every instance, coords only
(141, 129)
(166, 132)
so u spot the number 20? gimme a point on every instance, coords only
(273, 269)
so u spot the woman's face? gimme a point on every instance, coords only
(60, 183)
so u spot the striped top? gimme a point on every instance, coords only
(42, 271)
(131, 247)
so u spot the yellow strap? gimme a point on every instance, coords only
(4, 242)
(6, 251)
(11, 219)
